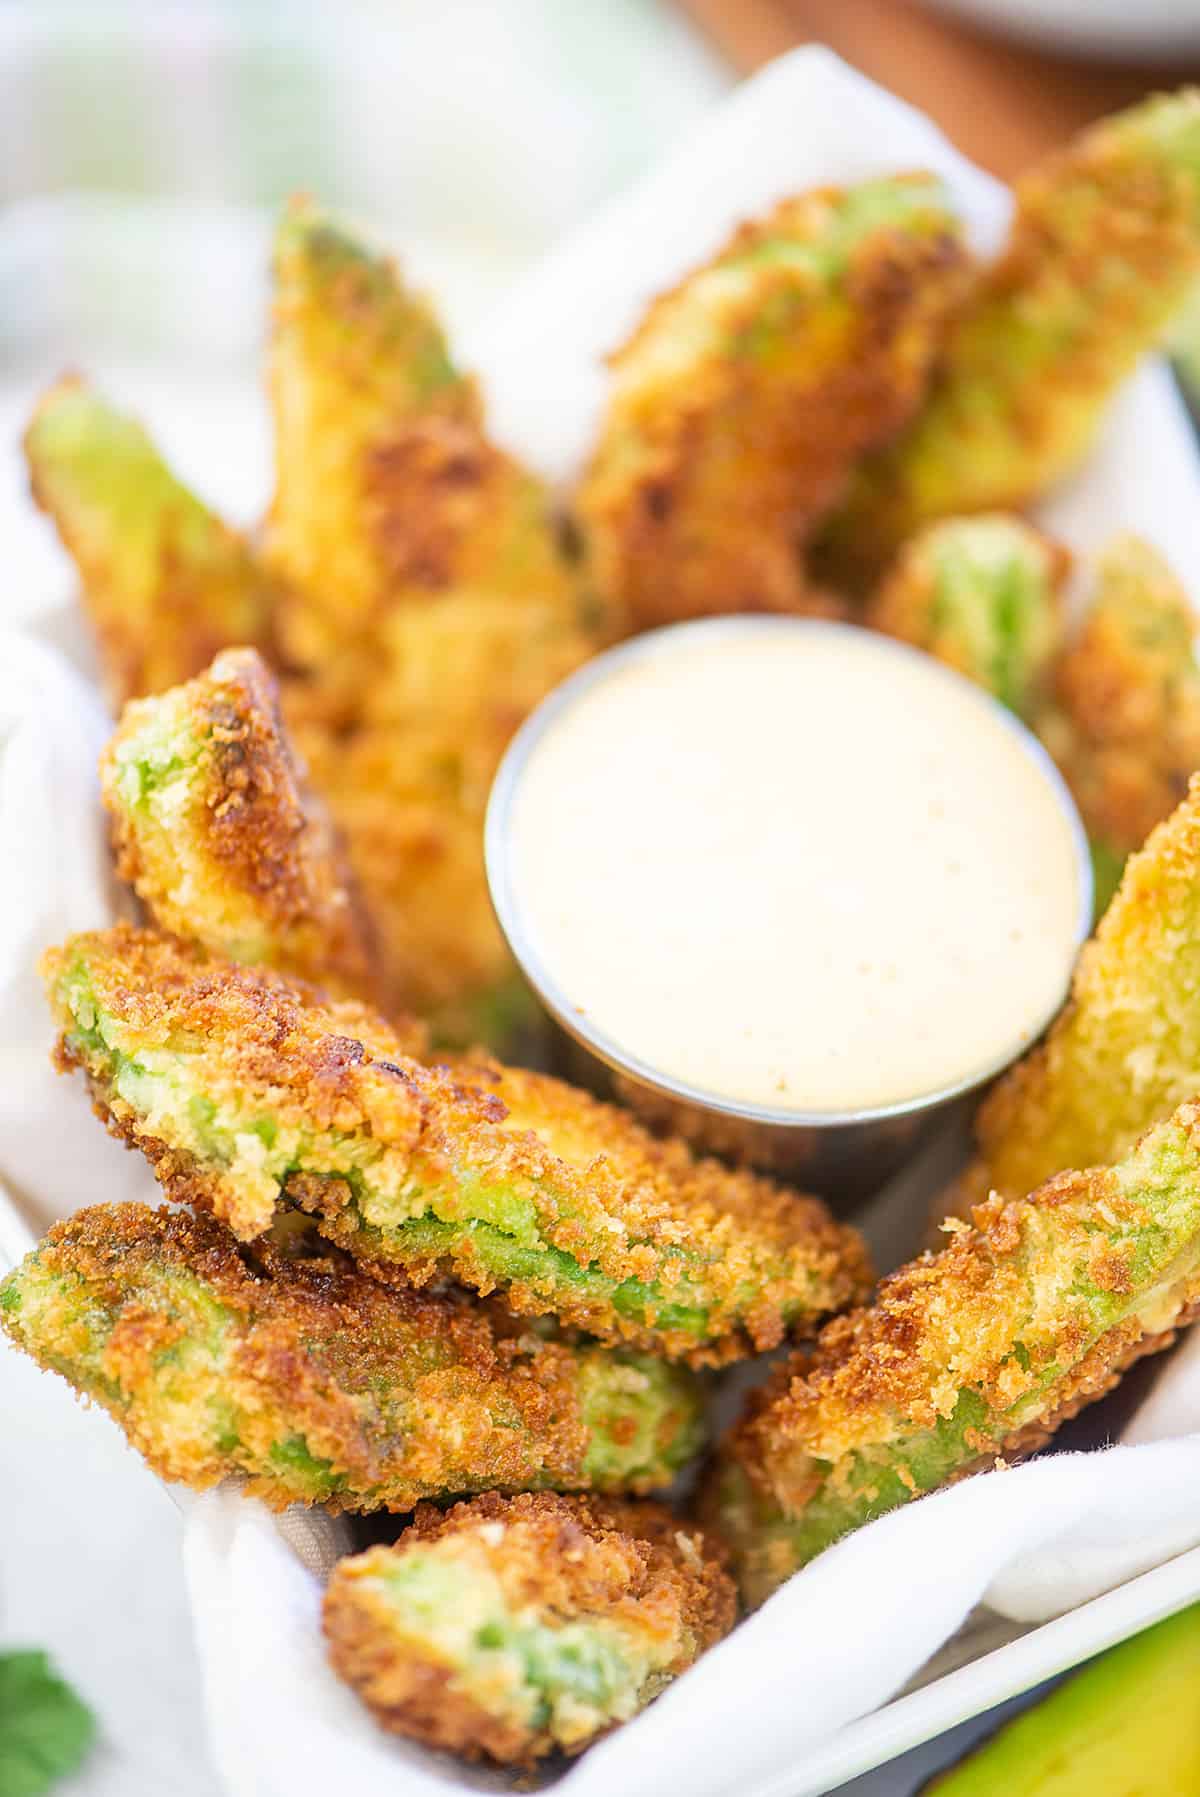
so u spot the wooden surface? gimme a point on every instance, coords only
(1002, 103)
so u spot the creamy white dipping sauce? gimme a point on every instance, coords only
(795, 866)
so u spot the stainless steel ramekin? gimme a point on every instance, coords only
(845, 1155)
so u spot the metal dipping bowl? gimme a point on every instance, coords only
(844, 1155)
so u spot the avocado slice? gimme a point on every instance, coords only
(1128, 1725)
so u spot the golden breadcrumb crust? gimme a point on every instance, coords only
(409, 800)
(742, 399)
(309, 1345)
(166, 583)
(945, 1323)
(1104, 251)
(564, 1559)
(985, 596)
(1127, 692)
(249, 854)
(1125, 1049)
(389, 493)
(607, 1193)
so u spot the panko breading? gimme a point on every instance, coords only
(1104, 251)
(511, 1628)
(976, 1353)
(318, 1385)
(984, 595)
(747, 392)
(419, 603)
(1125, 1050)
(430, 603)
(408, 789)
(215, 828)
(477, 662)
(165, 583)
(1125, 722)
(388, 491)
(409, 801)
(248, 1093)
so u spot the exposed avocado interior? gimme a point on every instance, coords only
(992, 594)
(315, 1476)
(855, 216)
(641, 1420)
(1160, 1253)
(577, 1674)
(327, 255)
(391, 1221)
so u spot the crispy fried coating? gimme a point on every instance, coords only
(318, 1385)
(413, 591)
(475, 664)
(976, 1353)
(388, 490)
(165, 582)
(429, 602)
(216, 829)
(748, 391)
(411, 812)
(248, 1093)
(1104, 251)
(1124, 724)
(409, 801)
(507, 1629)
(984, 595)
(1126, 1048)
(408, 788)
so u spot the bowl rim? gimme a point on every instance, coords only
(648, 646)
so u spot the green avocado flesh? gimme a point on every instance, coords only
(516, 1663)
(643, 1418)
(357, 290)
(1159, 1244)
(999, 605)
(872, 1487)
(858, 215)
(393, 1221)
(1128, 1725)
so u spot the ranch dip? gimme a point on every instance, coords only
(792, 864)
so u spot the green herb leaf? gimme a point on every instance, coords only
(45, 1730)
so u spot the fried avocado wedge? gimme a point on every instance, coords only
(1126, 1048)
(1104, 251)
(165, 583)
(249, 1094)
(315, 1383)
(984, 595)
(509, 1628)
(971, 1355)
(215, 828)
(1124, 722)
(409, 802)
(388, 490)
(746, 394)
(429, 603)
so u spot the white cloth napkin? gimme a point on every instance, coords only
(854, 1627)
